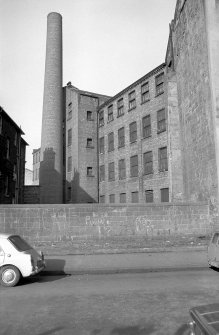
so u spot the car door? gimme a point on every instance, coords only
(213, 249)
(2, 256)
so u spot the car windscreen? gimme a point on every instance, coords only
(19, 243)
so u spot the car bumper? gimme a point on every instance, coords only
(38, 269)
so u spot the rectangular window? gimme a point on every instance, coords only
(111, 171)
(161, 121)
(89, 143)
(89, 171)
(110, 113)
(70, 110)
(146, 126)
(6, 185)
(102, 173)
(112, 198)
(69, 194)
(7, 148)
(164, 195)
(101, 118)
(89, 116)
(69, 137)
(134, 166)
(145, 92)
(102, 199)
(163, 164)
(0, 124)
(70, 164)
(159, 82)
(133, 132)
(101, 145)
(120, 107)
(122, 198)
(121, 137)
(122, 169)
(132, 101)
(148, 162)
(15, 139)
(110, 142)
(149, 196)
(134, 197)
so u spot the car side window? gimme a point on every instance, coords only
(215, 238)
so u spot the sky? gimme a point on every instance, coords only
(107, 45)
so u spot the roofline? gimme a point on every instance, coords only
(149, 74)
(92, 94)
(16, 126)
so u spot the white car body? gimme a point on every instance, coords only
(213, 250)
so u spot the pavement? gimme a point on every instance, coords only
(173, 259)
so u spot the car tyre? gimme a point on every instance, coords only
(9, 276)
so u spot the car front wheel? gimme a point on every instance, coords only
(9, 275)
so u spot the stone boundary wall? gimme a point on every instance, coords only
(87, 222)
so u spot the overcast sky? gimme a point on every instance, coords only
(107, 45)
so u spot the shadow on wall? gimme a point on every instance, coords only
(75, 193)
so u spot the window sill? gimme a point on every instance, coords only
(157, 94)
(130, 109)
(144, 102)
(161, 171)
(148, 174)
(92, 176)
(101, 125)
(122, 146)
(87, 147)
(120, 115)
(133, 142)
(90, 119)
(111, 180)
(144, 138)
(161, 131)
(110, 121)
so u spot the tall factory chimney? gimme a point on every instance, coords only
(51, 165)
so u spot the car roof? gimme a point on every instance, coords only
(5, 235)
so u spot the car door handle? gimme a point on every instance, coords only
(8, 255)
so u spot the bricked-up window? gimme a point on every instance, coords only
(101, 118)
(134, 196)
(148, 162)
(111, 171)
(70, 137)
(120, 107)
(89, 171)
(161, 121)
(101, 145)
(132, 100)
(163, 164)
(102, 199)
(70, 164)
(121, 137)
(110, 113)
(102, 173)
(122, 198)
(164, 195)
(133, 132)
(122, 169)
(112, 198)
(89, 143)
(89, 116)
(134, 166)
(159, 82)
(145, 92)
(7, 148)
(149, 196)
(146, 126)
(110, 141)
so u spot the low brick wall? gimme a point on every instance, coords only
(87, 222)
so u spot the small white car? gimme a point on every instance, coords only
(18, 259)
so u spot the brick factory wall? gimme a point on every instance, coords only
(32, 194)
(83, 224)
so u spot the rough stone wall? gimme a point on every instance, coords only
(84, 223)
(194, 97)
(31, 194)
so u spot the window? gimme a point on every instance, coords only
(122, 198)
(89, 143)
(69, 137)
(132, 101)
(70, 164)
(110, 113)
(164, 194)
(149, 196)
(121, 137)
(112, 198)
(163, 164)
(102, 173)
(6, 185)
(159, 82)
(89, 171)
(148, 162)
(161, 121)
(7, 148)
(122, 169)
(146, 126)
(134, 166)
(70, 110)
(145, 92)
(134, 197)
(89, 116)
(110, 142)
(111, 171)
(102, 199)
(15, 139)
(120, 107)
(101, 118)
(133, 132)
(0, 124)
(101, 145)
(69, 194)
